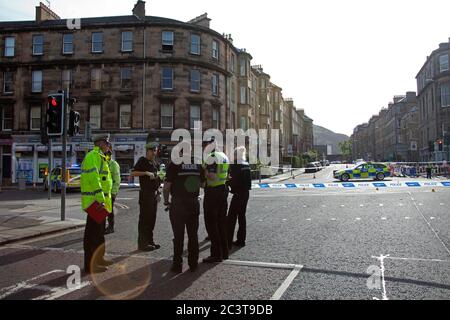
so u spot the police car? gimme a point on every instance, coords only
(365, 170)
(72, 182)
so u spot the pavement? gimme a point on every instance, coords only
(301, 244)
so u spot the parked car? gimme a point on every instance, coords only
(369, 170)
(312, 167)
(73, 179)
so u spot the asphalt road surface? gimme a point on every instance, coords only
(302, 244)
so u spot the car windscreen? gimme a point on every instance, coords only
(74, 172)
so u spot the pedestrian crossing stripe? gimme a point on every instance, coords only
(350, 185)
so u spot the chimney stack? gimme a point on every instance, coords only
(202, 20)
(45, 13)
(139, 10)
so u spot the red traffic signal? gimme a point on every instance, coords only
(52, 101)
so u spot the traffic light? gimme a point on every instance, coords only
(55, 114)
(440, 144)
(74, 123)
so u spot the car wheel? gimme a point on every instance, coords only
(345, 177)
(380, 176)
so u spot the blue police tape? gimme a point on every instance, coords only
(350, 185)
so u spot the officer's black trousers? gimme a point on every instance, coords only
(94, 243)
(184, 214)
(147, 217)
(238, 209)
(215, 210)
(111, 215)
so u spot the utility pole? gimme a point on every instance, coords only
(64, 161)
(50, 167)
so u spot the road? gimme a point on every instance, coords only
(302, 244)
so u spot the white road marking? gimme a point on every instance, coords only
(407, 218)
(269, 265)
(429, 225)
(432, 218)
(358, 219)
(441, 204)
(420, 204)
(61, 291)
(285, 285)
(382, 269)
(361, 205)
(383, 218)
(333, 219)
(5, 292)
(401, 204)
(381, 205)
(284, 219)
(342, 205)
(308, 219)
(418, 259)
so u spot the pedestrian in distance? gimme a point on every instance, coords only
(149, 196)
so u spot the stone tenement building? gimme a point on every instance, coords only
(433, 95)
(412, 129)
(132, 76)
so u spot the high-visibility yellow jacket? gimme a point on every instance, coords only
(114, 167)
(96, 181)
(220, 160)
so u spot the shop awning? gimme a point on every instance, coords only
(24, 148)
(123, 147)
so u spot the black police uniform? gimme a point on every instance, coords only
(185, 180)
(147, 202)
(241, 184)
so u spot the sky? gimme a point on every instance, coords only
(340, 60)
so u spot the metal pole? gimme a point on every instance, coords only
(49, 171)
(64, 147)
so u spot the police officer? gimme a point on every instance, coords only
(240, 183)
(215, 203)
(183, 183)
(114, 167)
(147, 170)
(96, 185)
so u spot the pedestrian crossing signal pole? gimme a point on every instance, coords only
(64, 161)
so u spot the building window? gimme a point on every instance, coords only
(167, 79)
(125, 116)
(215, 85)
(10, 44)
(7, 118)
(8, 82)
(443, 63)
(127, 41)
(166, 116)
(243, 66)
(195, 115)
(215, 117)
(125, 78)
(195, 80)
(232, 62)
(445, 94)
(35, 118)
(97, 42)
(96, 79)
(68, 43)
(195, 44)
(243, 95)
(95, 116)
(167, 40)
(243, 123)
(66, 79)
(36, 78)
(38, 45)
(215, 49)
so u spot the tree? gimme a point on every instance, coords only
(346, 149)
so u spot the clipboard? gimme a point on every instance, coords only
(97, 212)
